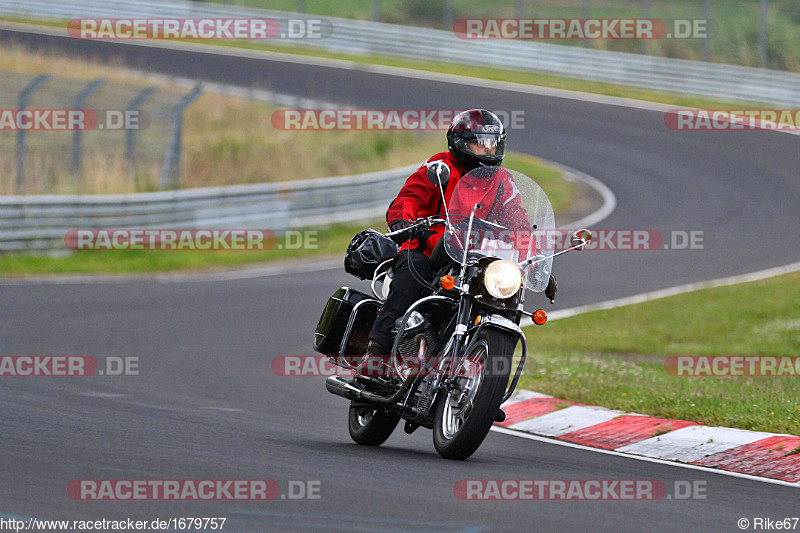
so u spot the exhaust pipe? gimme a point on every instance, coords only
(345, 388)
(341, 386)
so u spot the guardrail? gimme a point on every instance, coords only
(359, 37)
(39, 223)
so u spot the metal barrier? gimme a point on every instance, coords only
(359, 37)
(39, 223)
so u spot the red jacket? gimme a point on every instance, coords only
(501, 203)
(421, 198)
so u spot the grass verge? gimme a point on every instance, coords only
(615, 358)
(330, 241)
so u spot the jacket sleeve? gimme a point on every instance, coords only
(415, 194)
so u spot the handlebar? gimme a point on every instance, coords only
(402, 235)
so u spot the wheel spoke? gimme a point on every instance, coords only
(365, 414)
(460, 400)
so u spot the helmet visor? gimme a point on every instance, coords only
(490, 145)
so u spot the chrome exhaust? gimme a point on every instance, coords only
(341, 386)
(352, 390)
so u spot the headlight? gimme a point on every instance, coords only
(502, 279)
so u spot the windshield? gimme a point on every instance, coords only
(512, 211)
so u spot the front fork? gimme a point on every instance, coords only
(458, 350)
(462, 319)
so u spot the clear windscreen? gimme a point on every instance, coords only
(512, 210)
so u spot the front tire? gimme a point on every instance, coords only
(462, 418)
(370, 426)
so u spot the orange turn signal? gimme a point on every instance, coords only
(448, 282)
(539, 317)
(477, 320)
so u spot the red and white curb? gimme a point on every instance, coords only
(754, 453)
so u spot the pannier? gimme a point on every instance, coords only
(338, 320)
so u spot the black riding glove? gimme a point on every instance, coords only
(399, 224)
(552, 288)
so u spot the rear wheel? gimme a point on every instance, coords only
(370, 425)
(464, 414)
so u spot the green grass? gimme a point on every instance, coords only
(615, 358)
(230, 140)
(330, 241)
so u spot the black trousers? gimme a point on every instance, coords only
(404, 291)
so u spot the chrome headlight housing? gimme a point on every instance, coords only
(502, 279)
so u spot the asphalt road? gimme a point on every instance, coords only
(206, 404)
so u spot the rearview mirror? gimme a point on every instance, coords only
(581, 237)
(438, 173)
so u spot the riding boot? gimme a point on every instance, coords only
(375, 362)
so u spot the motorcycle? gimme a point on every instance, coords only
(450, 366)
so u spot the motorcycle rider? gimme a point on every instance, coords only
(476, 137)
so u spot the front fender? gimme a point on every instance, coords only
(507, 326)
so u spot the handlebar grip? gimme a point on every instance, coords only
(402, 235)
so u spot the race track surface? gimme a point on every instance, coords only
(206, 404)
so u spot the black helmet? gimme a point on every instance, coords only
(479, 126)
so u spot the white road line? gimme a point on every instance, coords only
(248, 273)
(609, 199)
(262, 272)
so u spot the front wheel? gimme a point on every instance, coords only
(464, 413)
(369, 425)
